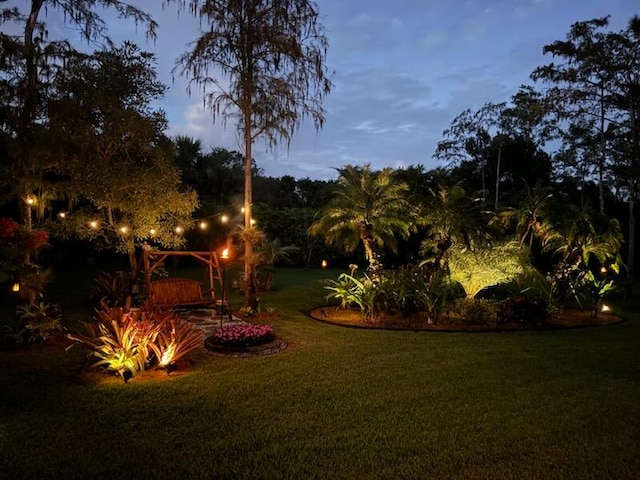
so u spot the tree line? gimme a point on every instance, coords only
(80, 136)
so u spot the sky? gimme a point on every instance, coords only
(402, 71)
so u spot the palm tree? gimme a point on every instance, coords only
(453, 218)
(369, 207)
(529, 215)
(188, 156)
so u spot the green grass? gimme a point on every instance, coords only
(339, 403)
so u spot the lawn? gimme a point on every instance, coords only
(338, 403)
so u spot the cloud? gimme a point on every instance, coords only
(403, 71)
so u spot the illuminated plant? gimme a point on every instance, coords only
(348, 290)
(486, 266)
(115, 343)
(128, 343)
(175, 340)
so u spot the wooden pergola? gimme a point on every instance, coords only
(153, 259)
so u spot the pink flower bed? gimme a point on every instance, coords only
(245, 335)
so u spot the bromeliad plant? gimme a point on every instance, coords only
(41, 321)
(128, 343)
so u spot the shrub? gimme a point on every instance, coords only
(348, 290)
(243, 335)
(41, 322)
(111, 289)
(127, 343)
(522, 310)
(178, 338)
(407, 290)
(475, 311)
(114, 341)
(485, 266)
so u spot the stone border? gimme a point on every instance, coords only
(270, 348)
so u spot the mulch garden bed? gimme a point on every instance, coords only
(570, 318)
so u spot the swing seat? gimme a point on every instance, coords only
(179, 292)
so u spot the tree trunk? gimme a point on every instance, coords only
(25, 213)
(30, 99)
(601, 163)
(250, 293)
(633, 185)
(631, 252)
(28, 110)
(498, 177)
(369, 253)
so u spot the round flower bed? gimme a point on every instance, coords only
(243, 335)
(247, 339)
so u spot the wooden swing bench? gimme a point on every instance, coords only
(184, 292)
(179, 292)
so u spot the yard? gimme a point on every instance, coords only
(337, 403)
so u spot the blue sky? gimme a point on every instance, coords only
(403, 70)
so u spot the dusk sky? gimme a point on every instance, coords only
(403, 70)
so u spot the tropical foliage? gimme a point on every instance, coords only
(370, 207)
(128, 343)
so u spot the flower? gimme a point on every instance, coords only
(37, 239)
(7, 227)
(243, 335)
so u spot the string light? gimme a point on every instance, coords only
(31, 200)
(93, 224)
(62, 215)
(253, 222)
(179, 230)
(124, 229)
(203, 225)
(224, 218)
(152, 231)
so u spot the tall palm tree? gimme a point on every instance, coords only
(369, 206)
